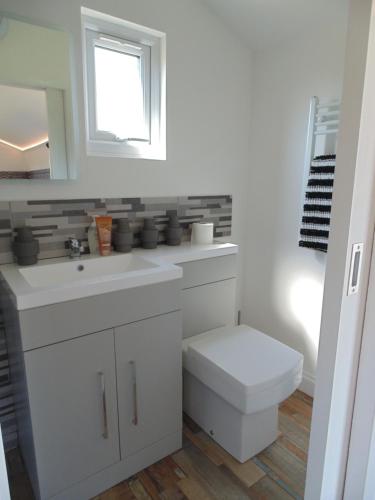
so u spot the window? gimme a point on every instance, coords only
(125, 88)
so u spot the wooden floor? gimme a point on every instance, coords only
(202, 470)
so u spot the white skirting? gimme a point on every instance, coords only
(243, 436)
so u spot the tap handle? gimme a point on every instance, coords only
(74, 244)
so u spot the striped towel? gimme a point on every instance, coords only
(318, 201)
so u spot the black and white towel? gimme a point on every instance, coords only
(318, 202)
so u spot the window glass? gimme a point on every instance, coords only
(120, 106)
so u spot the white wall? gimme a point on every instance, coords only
(37, 158)
(208, 109)
(15, 161)
(284, 284)
(11, 159)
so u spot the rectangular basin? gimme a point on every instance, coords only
(63, 280)
(82, 270)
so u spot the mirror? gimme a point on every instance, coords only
(24, 147)
(35, 102)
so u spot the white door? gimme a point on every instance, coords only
(353, 219)
(149, 381)
(360, 476)
(72, 395)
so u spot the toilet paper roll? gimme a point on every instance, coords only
(202, 233)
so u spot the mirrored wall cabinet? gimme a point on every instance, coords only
(36, 124)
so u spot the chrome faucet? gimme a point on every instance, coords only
(75, 248)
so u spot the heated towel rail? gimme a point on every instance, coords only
(324, 119)
(320, 162)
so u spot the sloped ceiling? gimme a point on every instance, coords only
(266, 23)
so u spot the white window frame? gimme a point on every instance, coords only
(113, 33)
(95, 39)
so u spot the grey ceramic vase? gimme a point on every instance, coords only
(123, 237)
(149, 235)
(25, 247)
(174, 231)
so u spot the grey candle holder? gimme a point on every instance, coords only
(173, 231)
(25, 247)
(149, 235)
(123, 238)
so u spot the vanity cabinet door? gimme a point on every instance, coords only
(149, 382)
(72, 397)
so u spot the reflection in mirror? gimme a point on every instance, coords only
(35, 101)
(24, 147)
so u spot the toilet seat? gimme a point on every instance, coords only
(245, 367)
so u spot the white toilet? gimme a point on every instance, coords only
(234, 379)
(234, 376)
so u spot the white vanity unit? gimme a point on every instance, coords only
(96, 348)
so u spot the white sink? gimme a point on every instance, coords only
(83, 269)
(61, 280)
(52, 281)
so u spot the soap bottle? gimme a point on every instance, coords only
(92, 236)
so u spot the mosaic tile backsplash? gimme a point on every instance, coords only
(54, 221)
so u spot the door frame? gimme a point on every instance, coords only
(353, 220)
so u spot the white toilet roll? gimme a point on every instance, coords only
(202, 233)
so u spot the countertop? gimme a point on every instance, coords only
(165, 258)
(187, 252)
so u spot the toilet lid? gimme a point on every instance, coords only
(240, 360)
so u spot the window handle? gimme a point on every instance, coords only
(131, 139)
(119, 42)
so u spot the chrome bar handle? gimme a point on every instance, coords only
(134, 389)
(104, 405)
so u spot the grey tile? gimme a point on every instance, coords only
(118, 206)
(19, 206)
(198, 211)
(5, 245)
(160, 206)
(160, 200)
(44, 228)
(150, 213)
(6, 258)
(79, 219)
(82, 201)
(224, 210)
(209, 197)
(131, 201)
(5, 224)
(185, 200)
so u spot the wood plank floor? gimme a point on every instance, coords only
(202, 470)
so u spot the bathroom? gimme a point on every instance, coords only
(229, 100)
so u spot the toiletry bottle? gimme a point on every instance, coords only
(104, 228)
(92, 236)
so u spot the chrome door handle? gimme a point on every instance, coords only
(134, 392)
(104, 405)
